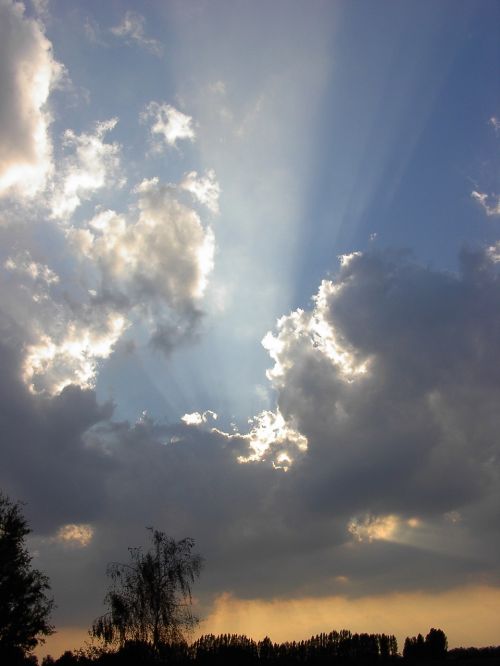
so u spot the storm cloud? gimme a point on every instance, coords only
(386, 394)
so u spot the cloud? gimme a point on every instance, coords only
(91, 165)
(131, 29)
(56, 361)
(156, 262)
(36, 272)
(168, 125)
(353, 483)
(195, 418)
(78, 536)
(380, 375)
(150, 266)
(204, 189)
(29, 72)
(358, 483)
(495, 123)
(273, 440)
(374, 527)
(489, 202)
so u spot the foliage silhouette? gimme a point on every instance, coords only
(150, 598)
(434, 646)
(322, 649)
(336, 647)
(24, 605)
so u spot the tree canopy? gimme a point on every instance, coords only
(25, 607)
(150, 597)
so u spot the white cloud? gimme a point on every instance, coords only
(91, 165)
(197, 418)
(71, 356)
(489, 202)
(150, 265)
(164, 256)
(205, 189)
(131, 29)
(169, 125)
(272, 438)
(317, 330)
(495, 123)
(493, 253)
(28, 71)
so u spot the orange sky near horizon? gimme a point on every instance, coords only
(297, 619)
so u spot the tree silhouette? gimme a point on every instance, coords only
(25, 607)
(150, 598)
(436, 644)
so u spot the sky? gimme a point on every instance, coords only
(249, 264)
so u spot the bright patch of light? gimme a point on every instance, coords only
(30, 75)
(272, 438)
(197, 418)
(385, 528)
(374, 528)
(322, 335)
(345, 259)
(75, 535)
(205, 257)
(51, 365)
(414, 522)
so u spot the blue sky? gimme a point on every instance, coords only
(348, 136)
(181, 181)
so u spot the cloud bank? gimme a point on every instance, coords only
(362, 482)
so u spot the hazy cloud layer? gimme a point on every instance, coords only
(132, 30)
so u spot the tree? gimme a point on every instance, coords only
(436, 644)
(150, 598)
(25, 607)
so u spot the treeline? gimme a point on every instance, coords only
(336, 647)
(237, 650)
(321, 649)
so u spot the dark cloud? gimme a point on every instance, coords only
(398, 487)
(413, 433)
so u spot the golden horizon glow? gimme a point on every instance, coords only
(401, 614)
